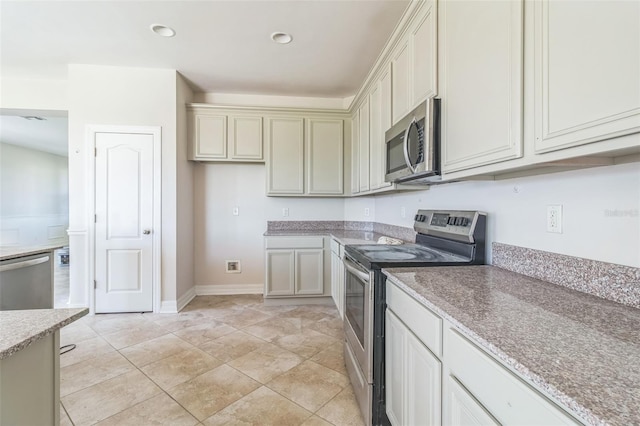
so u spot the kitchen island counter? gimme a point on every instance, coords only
(12, 252)
(578, 349)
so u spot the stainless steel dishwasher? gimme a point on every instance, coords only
(27, 282)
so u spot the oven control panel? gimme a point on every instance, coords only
(454, 224)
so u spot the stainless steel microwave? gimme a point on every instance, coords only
(413, 146)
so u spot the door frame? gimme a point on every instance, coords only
(156, 132)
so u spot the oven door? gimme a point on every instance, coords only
(358, 317)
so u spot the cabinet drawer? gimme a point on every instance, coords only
(293, 242)
(426, 325)
(507, 398)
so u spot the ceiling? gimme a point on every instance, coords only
(50, 135)
(220, 46)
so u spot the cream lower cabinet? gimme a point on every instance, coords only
(337, 276)
(296, 266)
(305, 163)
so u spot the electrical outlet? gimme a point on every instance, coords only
(285, 212)
(403, 212)
(554, 219)
(366, 211)
(236, 211)
(232, 267)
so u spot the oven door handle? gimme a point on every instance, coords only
(355, 271)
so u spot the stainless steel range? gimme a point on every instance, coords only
(444, 238)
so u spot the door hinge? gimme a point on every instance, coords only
(95, 152)
(95, 284)
(95, 218)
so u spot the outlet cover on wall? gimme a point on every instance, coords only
(554, 218)
(236, 211)
(285, 212)
(366, 211)
(232, 266)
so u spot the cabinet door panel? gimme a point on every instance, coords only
(464, 409)
(355, 157)
(481, 82)
(424, 48)
(363, 151)
(587, 67)
(325, 149)
(211, 136)
(401, 74)
(423, 387)
(285, 156)
(385, 119)
(394, 374)
(279, 273)
(245, 137)
(309, 271)
(376, 139)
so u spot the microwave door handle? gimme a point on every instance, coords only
(406, 145)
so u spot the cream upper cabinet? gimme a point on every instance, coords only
(355, 157)
(481, 82)
(414, 62)
(376, 139)
(363, 150)
(400, 77)
(222, 137)
(587, 69)
(424, 49)
(245, 137)
(285, 155)
(385, 121)
(325, 156)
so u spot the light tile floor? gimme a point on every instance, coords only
(222, 360)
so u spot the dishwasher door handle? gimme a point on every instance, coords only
(24, 264)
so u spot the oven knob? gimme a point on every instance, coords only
(451, 220)
(465, 221)
(423, 218)
(417, 218)
(458, 221)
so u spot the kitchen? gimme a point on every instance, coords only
(200, 231)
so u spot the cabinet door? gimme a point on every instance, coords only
(424, 49)
(385, 119)
(423, 384)
(587, 68)
(463, 409)
(280, 273)
(376, 140)
(401, 75)
(355, 157)
(481, 61)
(335, 261)
(245, 137)
(309, 271)
(340, 289)
(285, 155)
(393, 371)
(210, 140)
(363, 151)
(324, 152)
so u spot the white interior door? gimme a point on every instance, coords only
(124, 234)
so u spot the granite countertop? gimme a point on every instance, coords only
(581, 350)
(21, 251)
(341, 235)
(19, 329)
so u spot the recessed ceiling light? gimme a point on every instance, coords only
(33, 117)
(282, 38)
(163, 30)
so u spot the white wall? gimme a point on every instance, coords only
(184, 193)
(600, 208)
(120, 96)
(33, 94)
(221, 236)
(34, 197)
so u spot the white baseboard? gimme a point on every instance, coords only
(224, 289)
(186, 298)
(168, 307)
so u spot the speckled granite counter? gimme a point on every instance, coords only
(19, 329)
(581, 350)
(15, 252)
(343, 236)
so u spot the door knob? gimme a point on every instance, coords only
(146, 231)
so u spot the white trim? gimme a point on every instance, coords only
(168, 307)
(221, 289)
(186, 298)
(90, 144)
